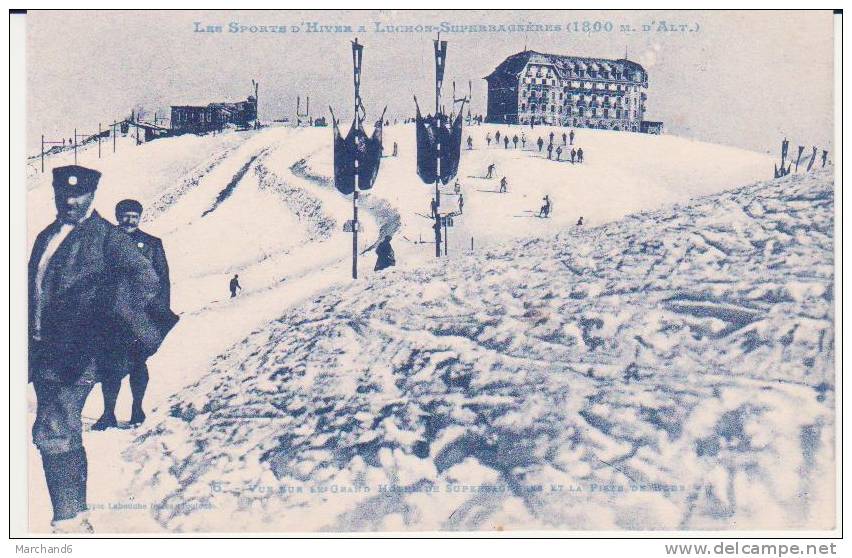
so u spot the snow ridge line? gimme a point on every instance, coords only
(226, 192)
(386, 216)
(306, 207)
(170, 197)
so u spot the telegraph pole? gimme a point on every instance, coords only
(75, 146)
(356, 63)
(440, 61)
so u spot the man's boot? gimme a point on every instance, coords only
(66, 475)
(137, 415)
(78, 525)
(106, 421)
(110, 388)
(138, 386)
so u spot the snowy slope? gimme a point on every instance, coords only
(648, 367)
(262, 204)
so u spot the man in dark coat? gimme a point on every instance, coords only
(540, 144)
(130, 360)
(545, 209)
(580, 155)
(384, 254)
(234, 284)
(88, 290)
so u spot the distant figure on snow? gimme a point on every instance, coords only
(573, 155)
(580, 221)
(515, 140)
(497, 136)
(564, 139)
(540, 143)
(488, 138)
(545, 209)
(523, 140)
(469, 143)
(505, 142)
(490, 171)
(824, 156)
(549, 150)
(503, 185)
(580, 155)
(551, 136)
(571, 137)
(558, 152)
(461, 204)
(234, 285)
(384, 254)
(457, 186)
(395, 149)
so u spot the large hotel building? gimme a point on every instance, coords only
(569, 91)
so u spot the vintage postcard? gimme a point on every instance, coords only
(430, 271)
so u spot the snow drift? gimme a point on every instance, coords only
(669, 370)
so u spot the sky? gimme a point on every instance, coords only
(745, 78)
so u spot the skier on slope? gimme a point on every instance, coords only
(234, 285)
(545, 209)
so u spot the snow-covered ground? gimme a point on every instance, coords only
(661, 350)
